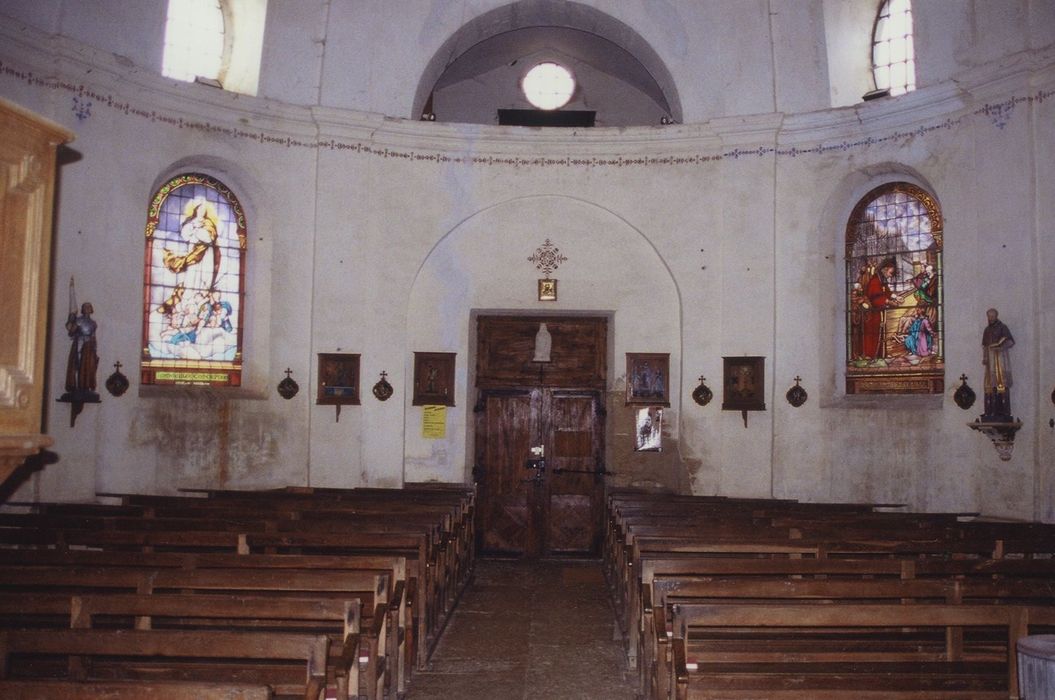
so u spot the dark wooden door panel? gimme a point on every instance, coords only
(506, 348)
(504, 437)
(570, 524)
(558, 406)
(574, 429)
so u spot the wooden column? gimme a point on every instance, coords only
(28, 145)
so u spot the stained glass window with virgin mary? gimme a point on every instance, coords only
(194, 284)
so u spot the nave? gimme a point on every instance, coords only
(530, 629)
(379, 594)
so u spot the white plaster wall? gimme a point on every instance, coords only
(294, 41)
(380, 236)
(1042, 117)
(155, 439)
(847, 39)
(612, 270)
(727, 57)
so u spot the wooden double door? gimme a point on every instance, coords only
(539, 455)
(547, 501)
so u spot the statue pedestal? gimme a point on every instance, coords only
(14, 449)
(76, 400)
(1001, 432)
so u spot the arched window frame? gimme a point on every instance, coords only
(910, 52)
(187, 355)
(243, 42)
(178, 12)
(881, 311)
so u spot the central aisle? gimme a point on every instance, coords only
(529, 629)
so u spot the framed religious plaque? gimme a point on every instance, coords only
(648, 378)
(338, 379)
(547, 290)
(434, 378)
(744, 384)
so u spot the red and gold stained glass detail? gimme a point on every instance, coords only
(194, 284)
(895, 340)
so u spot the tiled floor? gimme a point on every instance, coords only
(541, 630)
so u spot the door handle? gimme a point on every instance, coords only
(539, 465)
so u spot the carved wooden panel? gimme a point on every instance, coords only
(506, 348)
(574, 429)
(27, 174)
(561, 512)
(504, 433)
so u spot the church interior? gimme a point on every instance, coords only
(692, 306)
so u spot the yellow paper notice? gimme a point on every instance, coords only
(434, 422)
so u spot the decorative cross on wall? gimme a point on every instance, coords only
(547, 258)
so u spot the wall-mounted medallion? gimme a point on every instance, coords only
(703, 394)
(288, 387)
(796, 395)
(383, 390)
(117, 383)
(964, 396)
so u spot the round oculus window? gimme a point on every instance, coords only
(548, 86)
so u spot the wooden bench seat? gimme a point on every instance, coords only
(877, 665)
(169, 523)
(384, 664)
(131, 690)
(338, 619)
(667, 592)
(422, 589)
(296, 664)
(665, 551)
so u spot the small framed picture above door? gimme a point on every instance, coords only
(434, 378)
(648, 378)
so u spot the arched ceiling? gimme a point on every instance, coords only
(477, 71)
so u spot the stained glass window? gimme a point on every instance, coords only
(194, 284)
(893, 49)
(895, 335)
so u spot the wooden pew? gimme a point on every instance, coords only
(646, 530)
(369, 587)
(445, 559)
(666, 593)
(645, 549)
(880, 664)
(338, 619)
(429, 525)
(131, 690)
(422, 597)
(178, 652)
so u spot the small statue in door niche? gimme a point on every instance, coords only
(83, 359)
(996, 342)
